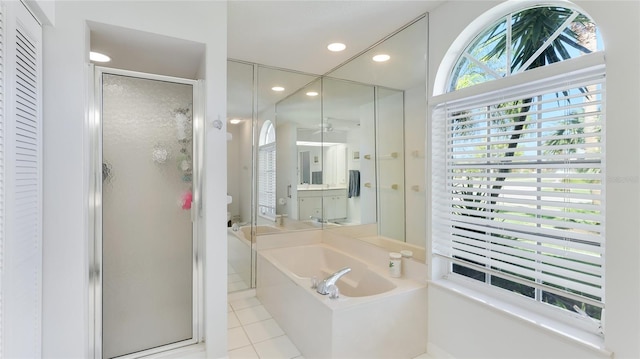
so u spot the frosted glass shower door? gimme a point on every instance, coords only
(147, 232)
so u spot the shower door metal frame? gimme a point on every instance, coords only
(94, 128)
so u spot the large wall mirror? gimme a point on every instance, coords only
(343, 151)
(400, 85)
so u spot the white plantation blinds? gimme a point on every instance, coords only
(518, 186)
(267, 180)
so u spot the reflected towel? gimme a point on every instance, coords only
(354, 183)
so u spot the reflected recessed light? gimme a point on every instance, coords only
(278, 88)
(235, 121)
(98, 57)
(312, 93)
(381, 58)
(336, 46)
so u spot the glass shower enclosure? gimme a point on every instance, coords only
(146, 248)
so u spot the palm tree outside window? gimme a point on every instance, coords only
(520, 205)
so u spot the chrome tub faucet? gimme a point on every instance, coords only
(323, 287)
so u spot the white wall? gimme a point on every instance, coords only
(66, 47)
(465, 328)
(45, 10)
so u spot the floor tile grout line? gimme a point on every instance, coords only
(264, 340)
(252, 344)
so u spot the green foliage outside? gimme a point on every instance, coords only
(530, 30)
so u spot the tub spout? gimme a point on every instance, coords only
(323, 287)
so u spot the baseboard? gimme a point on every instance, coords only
(435, 351)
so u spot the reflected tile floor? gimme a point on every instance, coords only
(234, 280)
(252, 333)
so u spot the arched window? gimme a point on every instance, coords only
(267, 133)
(517, 176)
(524, 40)
(267, 171)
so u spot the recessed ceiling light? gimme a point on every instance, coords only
(336, 46)
(98, 57)
(278, 88)
(235, 121)
(312, 93)
(381, 58)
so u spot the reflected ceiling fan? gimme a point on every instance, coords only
(324, 127)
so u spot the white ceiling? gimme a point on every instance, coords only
(311, 25)
(288, 35)
(295, 34)
(145, 52)
(285, 34)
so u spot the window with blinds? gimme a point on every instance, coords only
(267, 180)
(518, 189)
(267, 171)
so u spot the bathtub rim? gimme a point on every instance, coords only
(402, 285)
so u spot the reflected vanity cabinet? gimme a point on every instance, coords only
(327, 204)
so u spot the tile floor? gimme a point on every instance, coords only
(252, 333)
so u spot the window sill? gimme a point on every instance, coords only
(537, 320)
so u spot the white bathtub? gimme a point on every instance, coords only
(244, 232)
(375, 317)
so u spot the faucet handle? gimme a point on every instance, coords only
(334, 292)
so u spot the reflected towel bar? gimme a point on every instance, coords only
(391, 156)
(393, 186)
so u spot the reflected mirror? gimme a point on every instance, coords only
(240, 175)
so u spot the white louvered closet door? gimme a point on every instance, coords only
(2, 174)
(21, 181)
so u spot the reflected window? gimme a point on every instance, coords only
(267, 133)
(267, 171)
